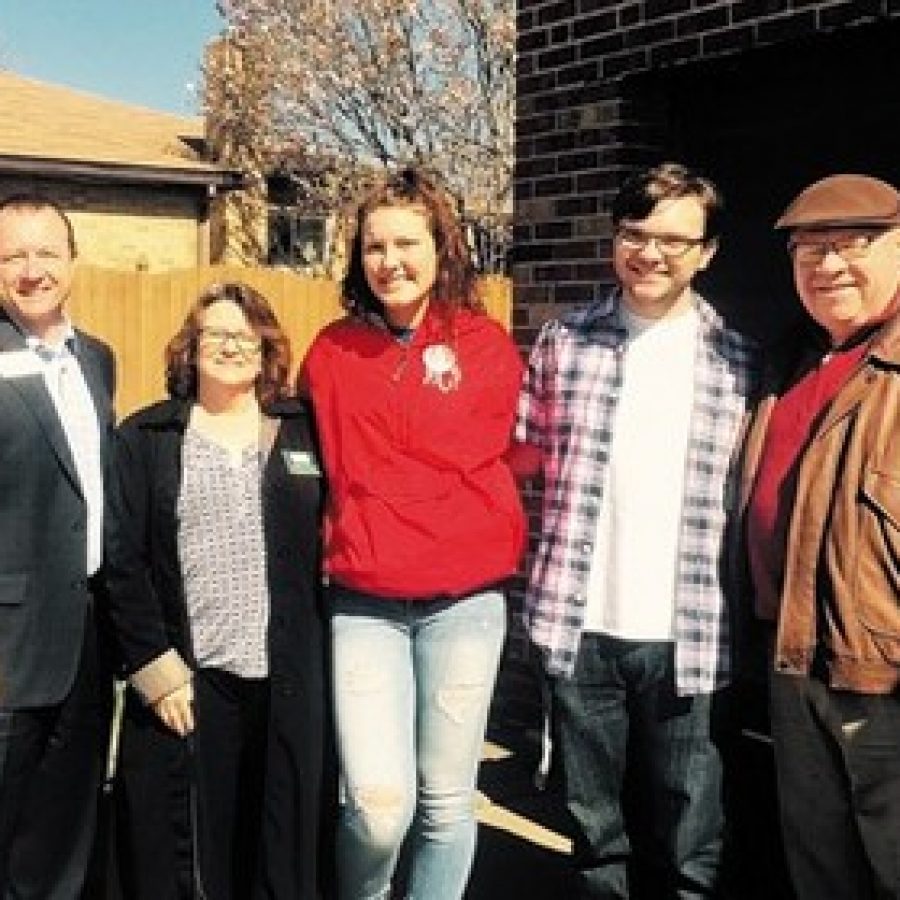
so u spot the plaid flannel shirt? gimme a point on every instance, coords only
(567, 409)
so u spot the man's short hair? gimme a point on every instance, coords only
(36, 201)
(640, 194)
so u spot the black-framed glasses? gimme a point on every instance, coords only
(811, 249)
(669, 245)
(248, 344)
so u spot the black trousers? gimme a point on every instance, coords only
(52, 761)
(230, 768)
(837, 758)
(189, 812)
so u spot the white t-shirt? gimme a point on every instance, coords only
(631, 588)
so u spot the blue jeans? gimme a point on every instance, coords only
(642, 775)
(412, 685)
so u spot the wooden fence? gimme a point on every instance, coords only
(137, 313)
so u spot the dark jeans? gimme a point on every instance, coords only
(51, 769)
(837, 759)
(641, 774)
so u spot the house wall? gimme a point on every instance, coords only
(129, 227)
(239, 232)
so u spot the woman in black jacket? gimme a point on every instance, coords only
(213, 559)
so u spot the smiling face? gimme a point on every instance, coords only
(229, 351)
(400, 261)
(847, 293)
(36, 268)
(655, 280)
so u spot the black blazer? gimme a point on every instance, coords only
(149, 615)
(146, 592)
(44, 596)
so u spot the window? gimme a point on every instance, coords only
(297, 240)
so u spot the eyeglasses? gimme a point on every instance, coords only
(247, 344)
(669, 245)
(811, 250)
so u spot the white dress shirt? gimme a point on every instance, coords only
(75, 408)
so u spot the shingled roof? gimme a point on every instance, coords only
(54, 130)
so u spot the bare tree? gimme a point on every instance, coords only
(357, 85)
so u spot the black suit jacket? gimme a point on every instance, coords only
(44, 596)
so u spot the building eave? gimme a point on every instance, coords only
(211, 179)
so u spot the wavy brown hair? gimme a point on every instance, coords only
(181, 351)
(455, 285)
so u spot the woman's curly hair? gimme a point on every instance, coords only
(181, 351)
(455, 286)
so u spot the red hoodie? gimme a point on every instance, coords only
(421, 502)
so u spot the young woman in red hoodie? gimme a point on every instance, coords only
(414, 393)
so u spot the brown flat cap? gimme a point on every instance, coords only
(843, 200)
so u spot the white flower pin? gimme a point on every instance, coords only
(441, 367)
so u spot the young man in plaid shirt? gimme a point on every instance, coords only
(632, 411)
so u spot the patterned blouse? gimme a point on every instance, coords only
(222, 553)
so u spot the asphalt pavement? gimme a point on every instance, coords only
(522, 850)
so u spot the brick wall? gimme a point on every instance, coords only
(605, 86)
(584, 118)
(127, 227)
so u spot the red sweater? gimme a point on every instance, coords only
(791, 425)
(421, 501)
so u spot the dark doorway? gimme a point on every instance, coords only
(766, 123)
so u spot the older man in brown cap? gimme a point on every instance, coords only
(822, 496)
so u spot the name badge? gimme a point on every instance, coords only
(19, 364)
(301, 462)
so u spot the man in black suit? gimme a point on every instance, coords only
(56, 385)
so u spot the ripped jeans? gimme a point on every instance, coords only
(412, 684)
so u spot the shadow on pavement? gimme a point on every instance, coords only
(522, 850)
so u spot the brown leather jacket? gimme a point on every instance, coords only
(841, 591)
